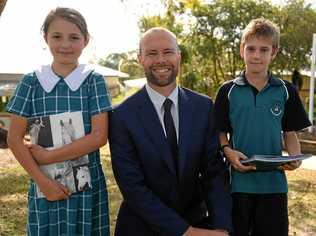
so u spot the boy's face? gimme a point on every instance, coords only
(257, 54)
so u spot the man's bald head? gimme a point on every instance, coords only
(157, 31)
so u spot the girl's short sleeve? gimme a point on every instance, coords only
(20, 102)
(99, 96)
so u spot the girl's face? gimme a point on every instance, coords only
(65, 41)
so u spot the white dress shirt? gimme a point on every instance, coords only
(157, 99)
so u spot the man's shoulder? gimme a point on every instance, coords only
(130, 102)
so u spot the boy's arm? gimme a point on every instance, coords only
(232, 155)
(224, 126)
(294, 119)
(292, 144)
(293, 147)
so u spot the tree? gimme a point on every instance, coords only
(209, 35)
(125, 62)
(113, 60)
(297, 22)
(2, 5)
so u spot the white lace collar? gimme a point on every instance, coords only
(48, 79)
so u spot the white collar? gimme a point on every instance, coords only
(158, 99)
(48, 79)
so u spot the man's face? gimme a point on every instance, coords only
(257, 54)
(160, 58)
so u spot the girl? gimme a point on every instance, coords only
(63, 86)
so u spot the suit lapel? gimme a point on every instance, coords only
(153, 127)
(185, 124)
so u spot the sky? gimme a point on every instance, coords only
(111, 23)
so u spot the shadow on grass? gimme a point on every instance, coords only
(302, 210)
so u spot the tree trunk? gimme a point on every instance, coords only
(2, 5)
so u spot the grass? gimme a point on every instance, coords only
(14, 184)
(14, 187)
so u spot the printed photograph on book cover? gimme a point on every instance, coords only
(55, 131)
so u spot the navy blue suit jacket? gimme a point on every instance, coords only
(155, 201)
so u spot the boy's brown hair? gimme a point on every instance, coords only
(261, 28)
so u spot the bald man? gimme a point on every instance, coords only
(164, 151)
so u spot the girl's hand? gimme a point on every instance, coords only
(54, 191)
(291, 165)
(234, 158)
(40, 154)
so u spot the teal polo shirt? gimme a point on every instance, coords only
(255, 121)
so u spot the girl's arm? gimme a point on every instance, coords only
(51, 189)
(80, 147)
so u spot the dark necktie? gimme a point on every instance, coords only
(171, 132)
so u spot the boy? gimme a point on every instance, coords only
(254, 109)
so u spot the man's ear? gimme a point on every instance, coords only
(139, 58)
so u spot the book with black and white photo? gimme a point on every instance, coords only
(55, 131)
(272, 162)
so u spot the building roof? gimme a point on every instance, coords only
(10, 78)
(135, 83)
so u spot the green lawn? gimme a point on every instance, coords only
(13, 195)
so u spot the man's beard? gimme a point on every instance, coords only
(151, 78)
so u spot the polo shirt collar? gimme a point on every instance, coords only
(242, 81)
(48, 79)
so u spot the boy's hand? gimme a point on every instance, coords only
(54, 191)
(291, 165)
(40, 154)
(234, 158)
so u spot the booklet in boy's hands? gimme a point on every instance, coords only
(55, 131)
(271, 162)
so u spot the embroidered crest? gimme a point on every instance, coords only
(276, 109)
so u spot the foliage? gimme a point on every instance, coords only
(297, 23)
(209, 35)
(125, 62)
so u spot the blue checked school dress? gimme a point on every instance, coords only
(83, 213)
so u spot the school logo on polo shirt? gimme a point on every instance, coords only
(276, 109)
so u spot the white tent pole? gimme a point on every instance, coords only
(312, 84)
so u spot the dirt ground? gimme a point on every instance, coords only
(6, 158)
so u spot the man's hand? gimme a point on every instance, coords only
(234, 158)
(291, 165)
(204, 232)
